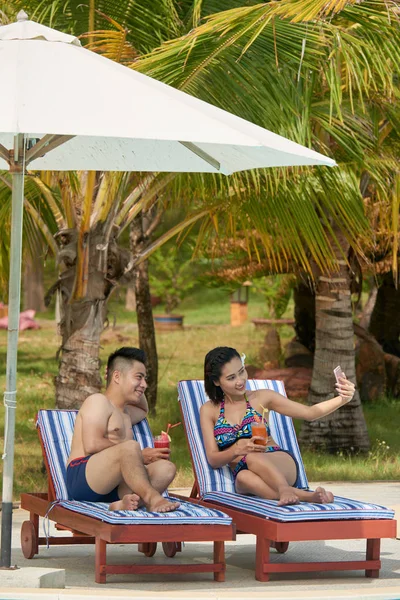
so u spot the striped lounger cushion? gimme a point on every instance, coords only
(217, 485)
(56, 429)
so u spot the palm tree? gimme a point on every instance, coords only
(81, 218)
(287, 80)
(319, 73)
(89, 211)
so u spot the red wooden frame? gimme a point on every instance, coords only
(270, 533)
(88, 530)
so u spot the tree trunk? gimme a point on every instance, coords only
(82, 322)
(385, 321)
(299, 352)
(147, 334)
(334, 345)
(33, 281)
(371, 366)
(79, 371)
(365, 317)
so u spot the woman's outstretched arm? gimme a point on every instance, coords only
(284, 406)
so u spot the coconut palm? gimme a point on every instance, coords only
(300, 74)
(89, 211)
(89, 199)
(340, 59)
(82, 217)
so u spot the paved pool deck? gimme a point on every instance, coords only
(69, 570)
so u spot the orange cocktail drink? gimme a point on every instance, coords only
(259, 429)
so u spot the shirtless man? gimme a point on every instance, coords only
(106, 464)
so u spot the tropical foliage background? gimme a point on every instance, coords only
(324, 74)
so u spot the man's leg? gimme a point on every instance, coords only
(124, 463)
(161, 473)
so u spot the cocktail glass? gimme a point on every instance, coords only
(259, 429)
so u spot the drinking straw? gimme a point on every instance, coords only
(169, 426)
(264, 412)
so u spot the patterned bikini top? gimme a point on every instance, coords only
(226, 434)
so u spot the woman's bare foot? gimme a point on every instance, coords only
(128, 502)
(162, 505)
(321, 496)
(287, 495)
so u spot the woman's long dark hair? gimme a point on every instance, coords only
(213, 363)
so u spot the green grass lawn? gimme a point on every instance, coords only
(181, 357)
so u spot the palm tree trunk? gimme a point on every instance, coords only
(79, 371)
(147, 334)
(304, 314)
(334, 345)
(82, 321)
(385, 322)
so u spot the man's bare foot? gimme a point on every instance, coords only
(162, 505)
(321, 496)
(287, 496)
(128, 502)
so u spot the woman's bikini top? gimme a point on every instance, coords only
(226, 434)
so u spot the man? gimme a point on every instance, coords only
(106, 464)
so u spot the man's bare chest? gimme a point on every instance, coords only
(119, 426)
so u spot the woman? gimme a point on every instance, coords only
(260, 468)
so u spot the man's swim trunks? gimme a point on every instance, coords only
(77, 486)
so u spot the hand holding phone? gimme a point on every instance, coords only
(338, 373)
(344, 389)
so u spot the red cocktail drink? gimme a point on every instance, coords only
(161, 441)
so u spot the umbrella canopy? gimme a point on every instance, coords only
(63, 107)
(117, 119)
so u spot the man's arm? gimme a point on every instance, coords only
(95, 413)
(138, 412)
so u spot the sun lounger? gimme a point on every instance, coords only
(276, 525)
(92, 522)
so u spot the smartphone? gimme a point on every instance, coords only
(338, 373)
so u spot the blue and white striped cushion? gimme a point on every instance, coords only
(187, 514)
(142, 434)
(217, 485)
(192, 395)
(341, 508)
(56, 428)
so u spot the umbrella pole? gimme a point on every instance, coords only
(10, 401)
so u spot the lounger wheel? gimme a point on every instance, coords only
(171, 548)
(28, 539)
(280, 547)
(148, 548)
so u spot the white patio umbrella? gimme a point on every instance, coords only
(63, 107)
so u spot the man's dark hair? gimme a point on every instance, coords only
(123, 358)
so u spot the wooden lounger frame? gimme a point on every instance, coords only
(88, 530)
(276, 534)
